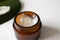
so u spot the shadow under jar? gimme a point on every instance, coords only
(27, 26)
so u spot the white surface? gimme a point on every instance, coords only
(49, 12)
(4, 9)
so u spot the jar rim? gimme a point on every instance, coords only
(30, 26)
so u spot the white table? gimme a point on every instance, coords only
(49, 12)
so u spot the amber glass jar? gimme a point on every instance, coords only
(27, 31)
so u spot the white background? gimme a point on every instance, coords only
(49, 12)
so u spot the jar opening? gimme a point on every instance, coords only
(27, 19)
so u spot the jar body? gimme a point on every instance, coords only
(34, 36)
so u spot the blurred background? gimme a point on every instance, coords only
(49, 12)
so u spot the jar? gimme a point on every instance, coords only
(27, 26)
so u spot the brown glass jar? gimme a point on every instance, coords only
(31, 32)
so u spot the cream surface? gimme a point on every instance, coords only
(28, 21)
(4, 9)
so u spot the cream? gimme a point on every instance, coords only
(28, 21)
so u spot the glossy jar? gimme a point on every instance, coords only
(27, 33)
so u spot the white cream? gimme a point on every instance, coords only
(28, 21)
(4, 9)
